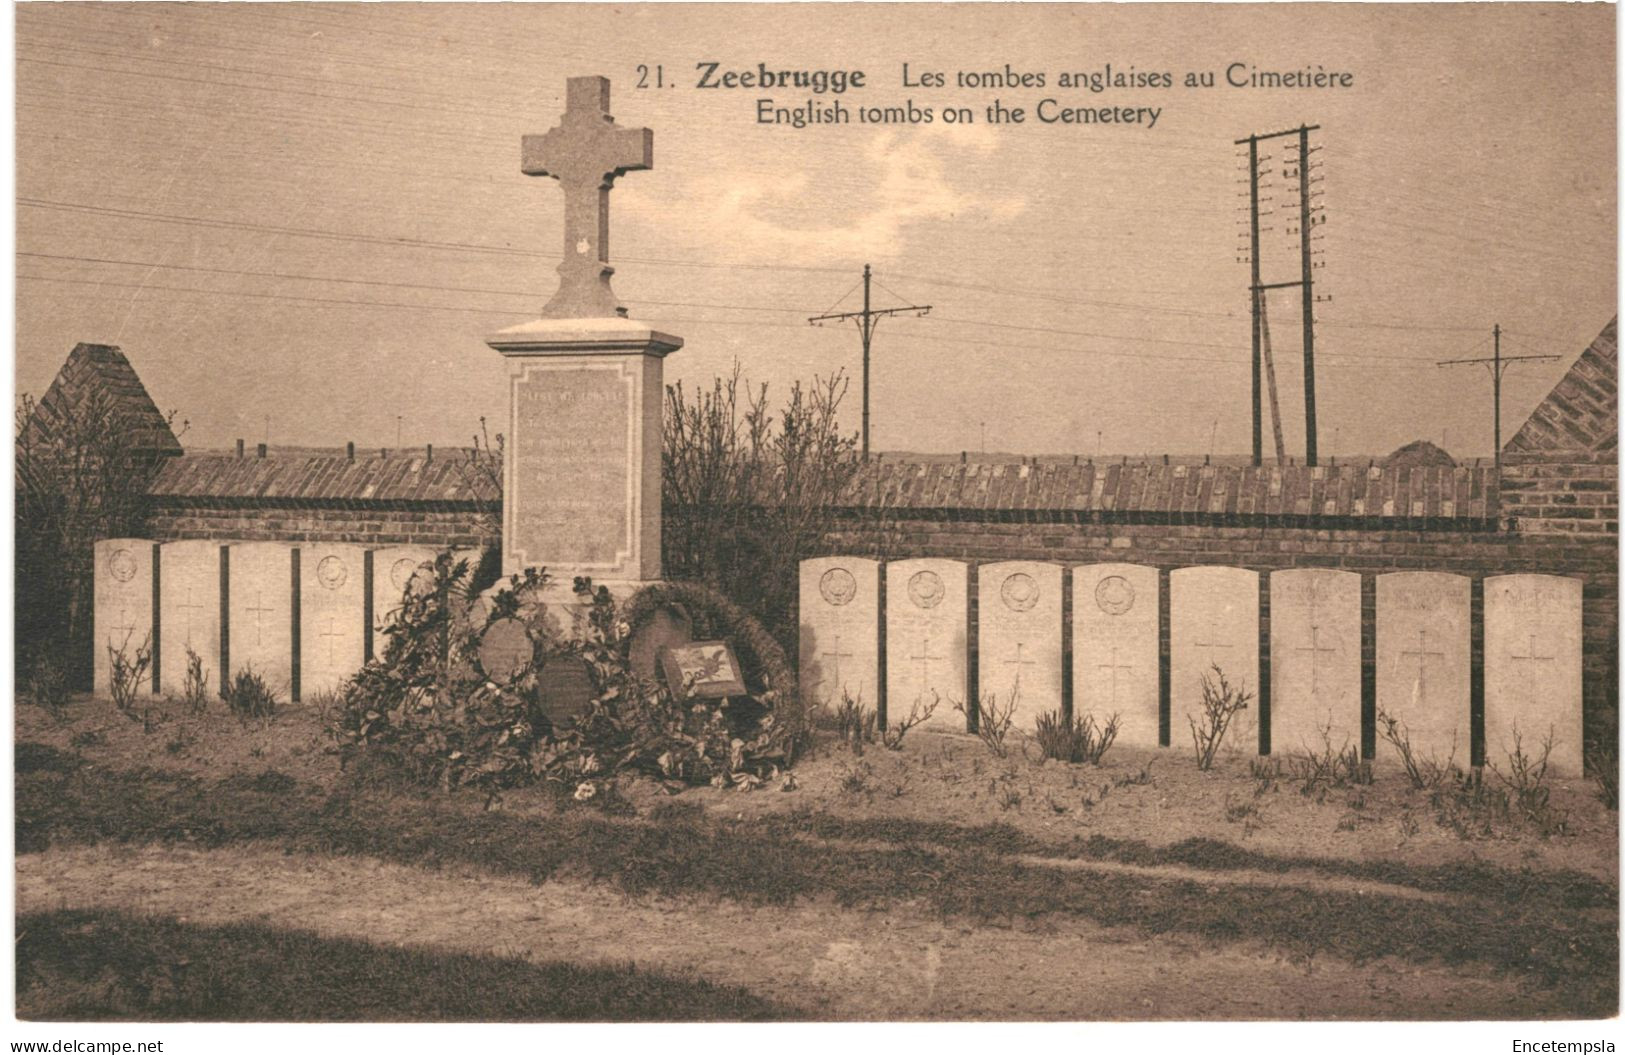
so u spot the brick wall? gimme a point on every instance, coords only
(421, 497)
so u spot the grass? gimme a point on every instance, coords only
(1555, 928)
(90, 965)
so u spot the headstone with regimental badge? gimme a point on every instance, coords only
(332, 617)
(393, 569)
(840, 633)
(1115, 668)
(122, 608)
(1532, 671)
(926, 643)
(1213, 622)
(1018, 625)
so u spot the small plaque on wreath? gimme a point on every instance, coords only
(704, 670)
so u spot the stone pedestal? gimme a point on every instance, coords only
(581, 469)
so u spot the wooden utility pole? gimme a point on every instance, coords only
(867, 319)
(1497, 366)
(1305, 282)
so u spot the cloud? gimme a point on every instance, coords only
(836, 207)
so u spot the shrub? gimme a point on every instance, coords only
(1074, 739)
(992, 722)
(854, 723)
(1220, 704)
(1525, 781)
(892, 735)
(249, 697)
(47, 685)
(1330, 767)
(1423, 773)
(125, 673)
(1602, 760)
(195, 687)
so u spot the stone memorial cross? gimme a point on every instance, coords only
(585, 153)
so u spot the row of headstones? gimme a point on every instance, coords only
(1532, 664)
(304, 617)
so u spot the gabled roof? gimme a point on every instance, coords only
(101, 367)
(1581, 413)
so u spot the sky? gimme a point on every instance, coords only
(301, 221)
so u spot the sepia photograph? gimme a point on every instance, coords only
(814, 513)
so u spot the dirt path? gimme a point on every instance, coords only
(836, 963)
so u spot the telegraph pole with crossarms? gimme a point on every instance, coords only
(866, 320)
(1497, 364)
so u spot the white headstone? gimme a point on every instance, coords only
(1018, 620)
(1532, 687)
(189, 611)
(1213, 621)
(122, 617)
(332, 616)
(1424, 657)
(392, 570)
(926, 639)
(260, 613)
(1115, 668)
(840, 633)
(1314, 660)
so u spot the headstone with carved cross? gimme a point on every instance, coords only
(1115, 668)
(122, 612)
(1424, 674)
(259, 613)
(581, 473)
(926, 641)
(1213, 621)
(189, 612)
(1532, 670)
(332, 616)
(1018, 624)
(1314, 660)
(840, 632)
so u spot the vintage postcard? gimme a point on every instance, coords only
(883, 513)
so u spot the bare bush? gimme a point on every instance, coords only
(1525, 781)
(992, 721)
(1221, 703)
(1423, 773)
(748, 496)
(892, 735)
(195, 686)
(1330, 767)
(125, 673)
